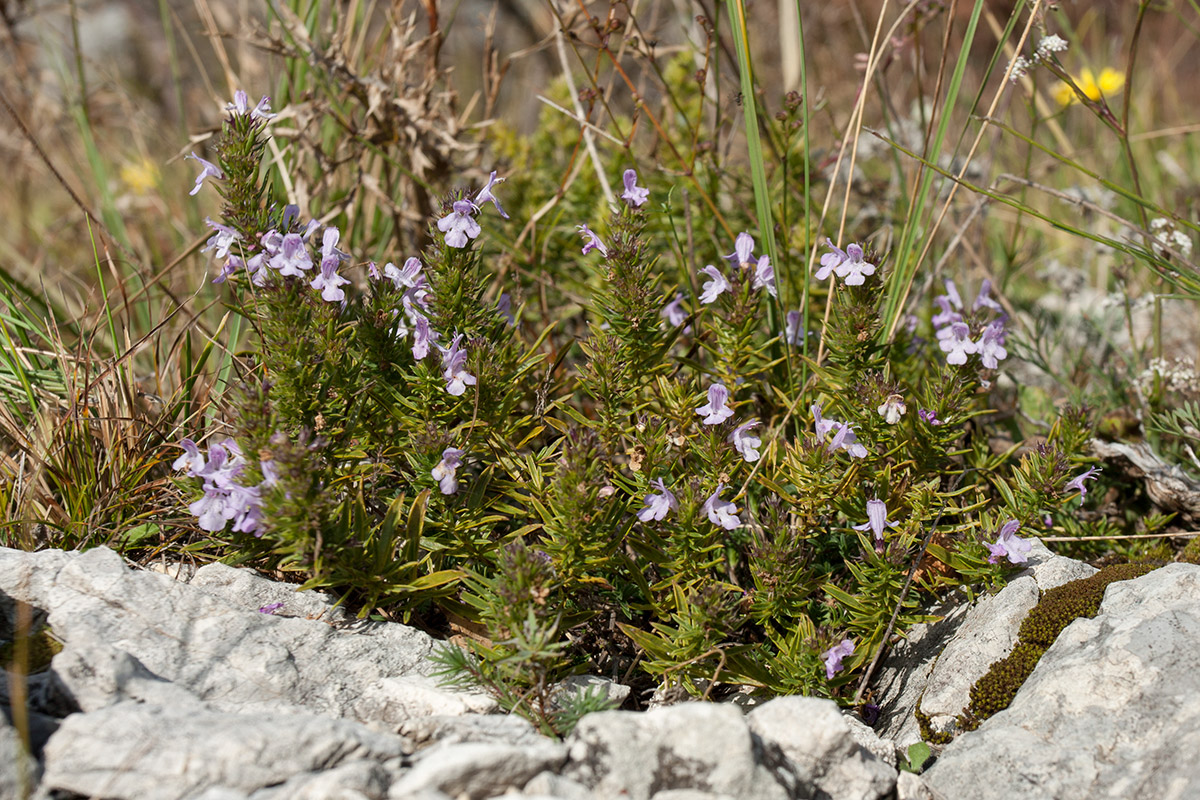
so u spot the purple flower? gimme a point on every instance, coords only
(423, 336)
(743, 250)
(832, 261)
(409, 276)
(207, 170)
(593, 241)
(444, 472)
(228, 269)
(764, 276)
(485, 194)
(928, 416)
(292, 257)
(876, 519)
(947, 316)
(744, 443)
(834, 655)
(504, 308)
(984, 300)
(791, 329)
(192, 459)
(1009, 545)
(214, 509)
(1075, 483)
(241, 105)
(721, 513)
(674, 311)
(844, 436)
(459, 226)
(257, 267)
(635, 195)
(957, 343)
(991, 344)
(454, 372)
(373, 273)
(714, 288)
(221, 240)
(270, 608)
(657, 505)
(853, 268)
(716, 412)
(329, 248)
(329, 282)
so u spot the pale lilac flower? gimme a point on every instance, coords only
(984, 300)
(1009, 545)
(248, 509)
(991, 344)
(504, 308)
(459, 226)
(892, 409)
(292, 257)
(454, 367)
(947, 317)
(876, 519)
(409, 276)
(744, 443)
(674, 311)
(845, 438)
(373, 273)
(1076, 482)
(854, 269)
(635, 195)
(270, 608)
(716, 412)
(192, 459)
(928, 416)
(220, 470)
(657, 505)
(764, 276)
(714, 288)
(241, 105)
(423, 336)
(445, 471)
(257, 267)
(221, 240)
(721, 513)
(214, 509)
(958, 344)
(329, 248)
(329, 282)
(824, 426)
(593, 241)
(834, 655)
(228, 269)
(952, 294)
(207, 170)
(485, 194)
(263, 110)
(832, 261)
(743, 250)
(791, 329)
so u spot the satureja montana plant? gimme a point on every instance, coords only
(662, 498)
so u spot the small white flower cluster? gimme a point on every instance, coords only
(1165, 231)
(1178, 376)
(1047, 47)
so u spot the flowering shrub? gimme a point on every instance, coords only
(685, 492)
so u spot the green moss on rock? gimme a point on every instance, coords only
(1057, 609)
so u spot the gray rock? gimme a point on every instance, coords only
(911, 787)
(870, 741)
(477, 770)
(144, 752)
(18, 769)
(700, 746)
(493, 728)
(1109, 710)
(27, 578)
(235, 658)
(353, 780)
(817, 740)
(578, 685)
(548, 784)
(986, 634)
(247, 588)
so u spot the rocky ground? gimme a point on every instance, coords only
(178, 686)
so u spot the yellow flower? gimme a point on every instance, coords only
(1108, 84)
(140, 176)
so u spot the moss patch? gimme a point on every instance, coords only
(1057, 609)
